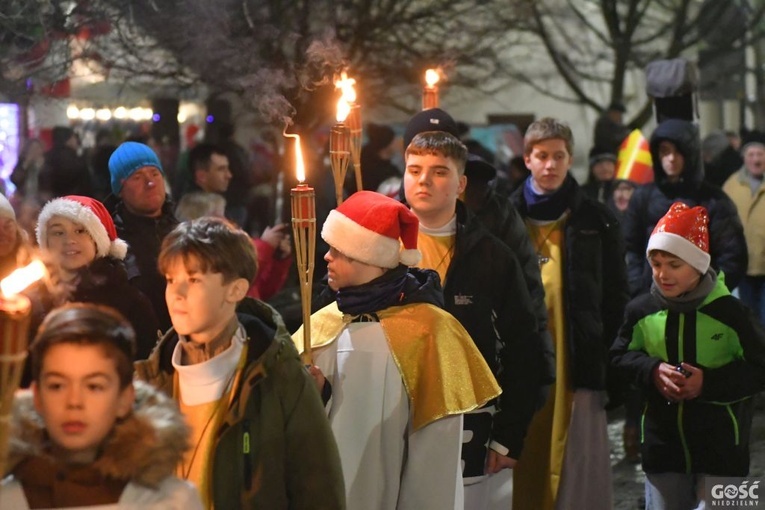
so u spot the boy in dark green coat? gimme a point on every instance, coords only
(260, 438)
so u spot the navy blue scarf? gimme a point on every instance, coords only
(548, 207)
(379, 294)
(397, 287)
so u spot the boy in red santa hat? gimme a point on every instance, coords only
(399, 370)
(698, 353)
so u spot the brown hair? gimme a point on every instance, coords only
(547, 128)
(215, 244)
(439, 143)
(91, 325)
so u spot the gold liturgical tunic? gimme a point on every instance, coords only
(538, 470)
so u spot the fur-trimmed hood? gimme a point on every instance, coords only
(144, 448)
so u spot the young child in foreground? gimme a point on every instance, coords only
(698, 353)
(260, 438)
(86, 435)
(402, 371)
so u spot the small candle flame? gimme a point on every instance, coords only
(22, 278)
(299, 166)
(431, 77)
(343, 109)
(346, 84)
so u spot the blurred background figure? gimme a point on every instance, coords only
(273, 247)
(747, 191)
(376, 156)
(200, 203)
(621, 192)
(601, 175)
(99, 163)
(26, 174)
(721, 158)
(14, 248)
(610, 130)
(65, 171)
(473, 145)
(517, 173)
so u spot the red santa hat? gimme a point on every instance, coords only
(367, 227)
(91, 214)
(683, 232)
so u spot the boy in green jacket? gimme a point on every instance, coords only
(699, 355)
(260, 438)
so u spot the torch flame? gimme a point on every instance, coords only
(345, 84)
(299, 166)
(22, 278)
(343, 109)
(431, 77)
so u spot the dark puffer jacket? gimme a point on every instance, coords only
(487, 293)
(650, 202)
(595, 286)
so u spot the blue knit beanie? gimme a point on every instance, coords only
(129, 157)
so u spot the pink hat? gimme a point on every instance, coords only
(367, 227)
(90, 213)
(683, 232)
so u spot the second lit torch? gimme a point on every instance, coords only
(303, 203)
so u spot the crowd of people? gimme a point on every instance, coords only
(468, 336)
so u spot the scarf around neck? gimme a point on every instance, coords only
(691, 300)
(379, 294)
(550, 206)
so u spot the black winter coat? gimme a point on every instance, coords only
(501, 218)
(144, 237)
(650, 202)
(595, 284)
(486, 292)
(105, 282)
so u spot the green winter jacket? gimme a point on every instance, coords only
(708, 434)
(275, 448)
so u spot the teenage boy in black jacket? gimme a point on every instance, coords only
(484, 289)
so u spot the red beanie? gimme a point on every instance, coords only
(367, 227)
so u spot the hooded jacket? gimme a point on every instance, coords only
(290, 460)
(727, 245)
(136, 465)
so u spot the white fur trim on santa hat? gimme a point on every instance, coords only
(680, 247)
(81, 214)
(410, 257)
(362, 244)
